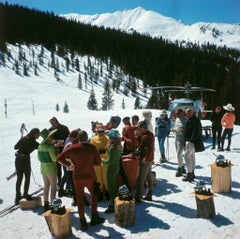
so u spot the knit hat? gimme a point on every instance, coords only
(228, 107)
(112, 134)
(45, 134)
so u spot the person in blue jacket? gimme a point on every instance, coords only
(163, 126)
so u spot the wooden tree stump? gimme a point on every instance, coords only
(124, 212)
(59, 225)
(205, 206)
(221, 179)
(30, 204)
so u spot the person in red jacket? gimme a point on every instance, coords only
(227, 122)
(83, 156)
(145, 157)
(128, 135)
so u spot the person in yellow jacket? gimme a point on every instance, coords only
(101, 142)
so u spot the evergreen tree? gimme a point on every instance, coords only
(57, 107)
(25, 69)
(92, 102)
(137, 104)
(79, 82)
(123, 104)
(77, 65)
(107, 99)
(65, 108)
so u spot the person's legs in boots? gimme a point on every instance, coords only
(98, 172)
(189, 159)
(79, 186)
(179, 145)
(46, 193)
(219, 133)
(148, 180)
(229, 135)
(95, 218)
(53, 186)
(222, 140)
(27, 173)
(19, 181)
(214, 131)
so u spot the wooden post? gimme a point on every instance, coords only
(221, 179)
(59, 225)
(205, 206)
(30, 204)
(124, 212)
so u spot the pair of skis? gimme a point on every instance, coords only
(14, 207)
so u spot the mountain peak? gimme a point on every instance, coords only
(156, 25)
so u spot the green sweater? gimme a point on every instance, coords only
(47, 156)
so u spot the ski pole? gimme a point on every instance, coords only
(167, 148)
(35, 180)
(12, 175)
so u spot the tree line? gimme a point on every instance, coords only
(155, 61)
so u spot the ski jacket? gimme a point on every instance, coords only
(47, 155)
(25, 146)
(101, 143)
(163, 127)
(61, 134)
(193, 130)
(179, 127)
(128, 135)
(113, 161)
(84, 157)
(146, 146)
(216, 120)
(228, 120)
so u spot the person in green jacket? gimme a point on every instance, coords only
(113, 166)
(47, 156)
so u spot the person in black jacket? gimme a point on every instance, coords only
(59, 138)
(25, 146)
(216, 117)
(192, 135)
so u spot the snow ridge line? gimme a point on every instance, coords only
(14, 207)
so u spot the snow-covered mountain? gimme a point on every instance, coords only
(156, 25)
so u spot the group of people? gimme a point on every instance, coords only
(188, 136)
(87, 162)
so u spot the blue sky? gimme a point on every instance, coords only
(188, 11)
